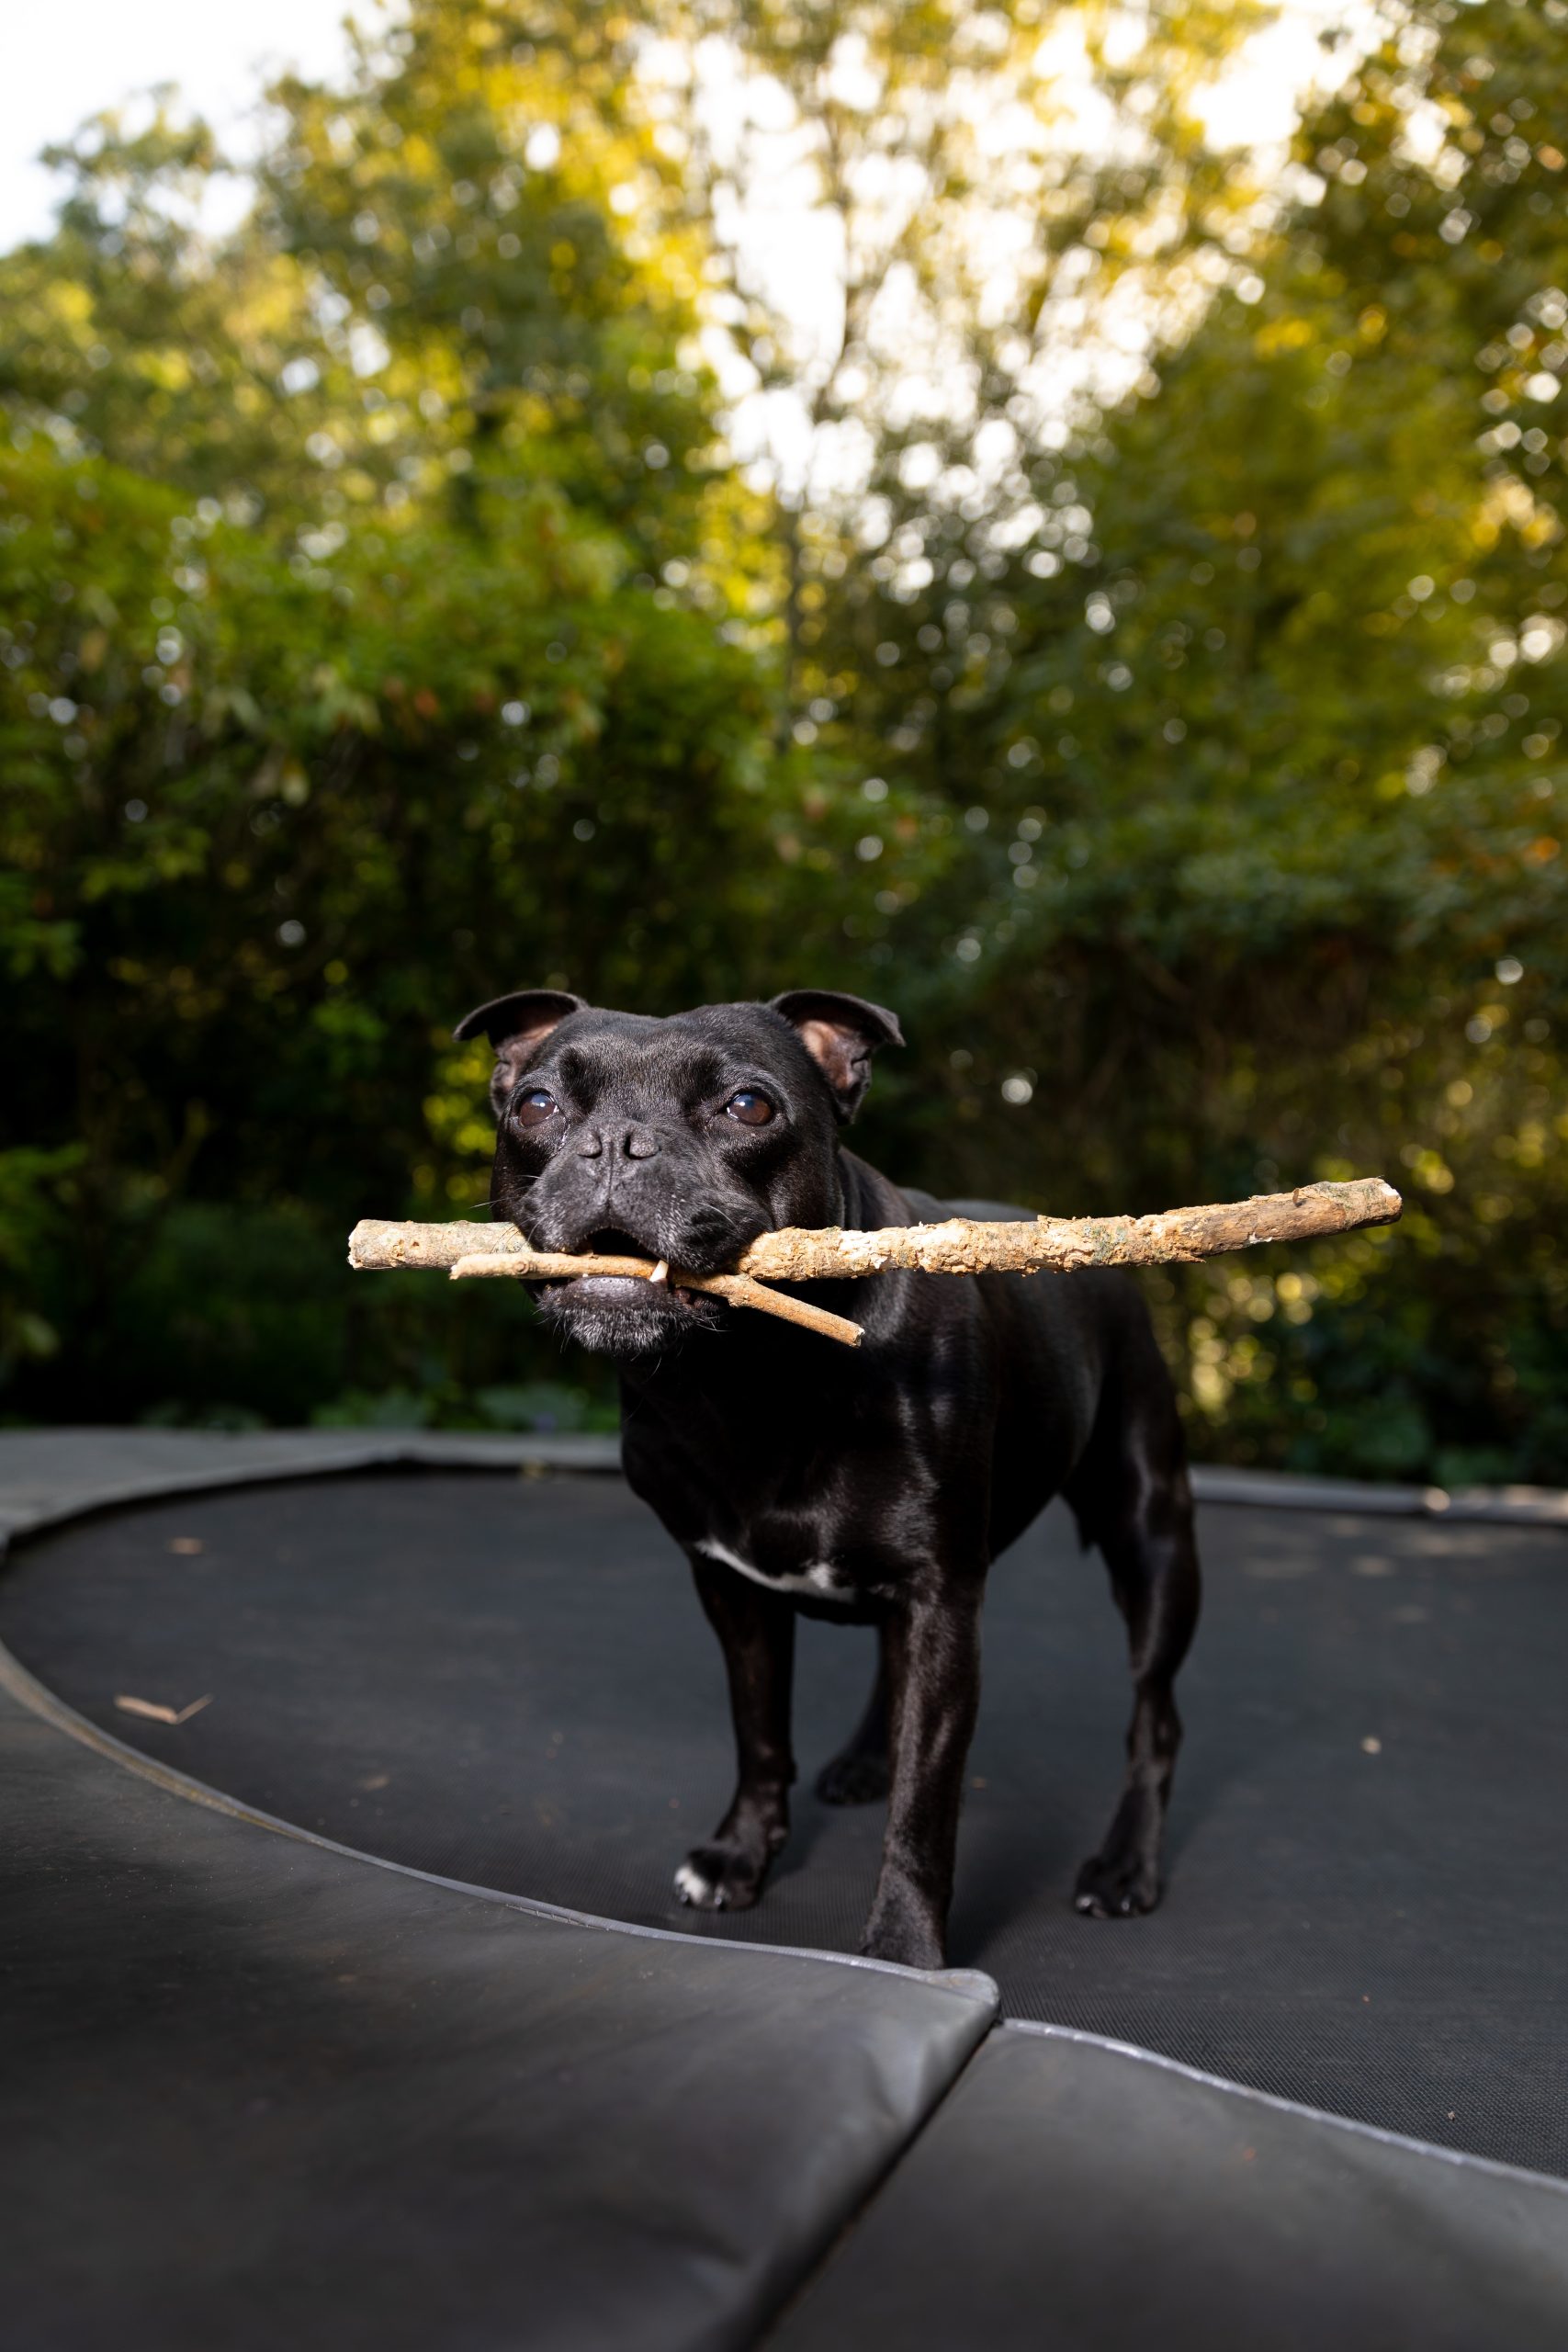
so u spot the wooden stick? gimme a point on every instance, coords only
(741, 1291)
(738, 1289)
(957, 1246)
(527, 1266)
(961, 1246)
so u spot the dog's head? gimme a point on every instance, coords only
(680, 1139)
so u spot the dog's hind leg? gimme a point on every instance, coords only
(756, 1632)
(859, 1773)
(1135, 1501)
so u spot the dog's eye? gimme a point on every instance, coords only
(752, 1110)
(533, 1108)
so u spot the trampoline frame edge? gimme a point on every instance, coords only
(349, 1453)
(21, 1684)
(1461, 2158)
(39, 1700)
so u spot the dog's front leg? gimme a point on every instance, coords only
(756, 1632)
(932, 1650)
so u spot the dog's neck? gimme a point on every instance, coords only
(865, 1198)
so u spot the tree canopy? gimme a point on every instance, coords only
(1136, 655)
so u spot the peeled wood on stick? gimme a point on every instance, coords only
(738, 1289)
(956, 1246)
(961, 1246)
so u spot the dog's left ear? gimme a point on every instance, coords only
(516, 1025)
(840, 1034)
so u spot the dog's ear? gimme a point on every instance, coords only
(840, 1034)
(516, 1025)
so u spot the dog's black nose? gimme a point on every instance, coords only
(640, 1143)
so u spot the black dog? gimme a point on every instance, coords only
(876, 1484)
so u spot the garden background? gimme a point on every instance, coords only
(1122, 630)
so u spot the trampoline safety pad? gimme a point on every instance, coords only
(509, 1682)
(262, 2086)
(255, 2091)
(1074, 2198)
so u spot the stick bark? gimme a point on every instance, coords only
(956, 1246)
(961, 1246)
(741, 1290)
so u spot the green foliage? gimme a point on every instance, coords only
(1276, 753)
(386, 622)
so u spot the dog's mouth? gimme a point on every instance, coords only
(627, 1317)
(638, 1292)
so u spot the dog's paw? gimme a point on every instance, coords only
(853, 1779)
(715, 1878)
(1117, 1886)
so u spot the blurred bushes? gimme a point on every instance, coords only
(385, 622)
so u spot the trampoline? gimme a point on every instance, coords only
(504, 1688)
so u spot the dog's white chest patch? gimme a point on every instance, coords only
(819, 1580)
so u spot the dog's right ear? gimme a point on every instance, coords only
(516, 1026)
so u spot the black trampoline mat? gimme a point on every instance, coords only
(509, 1682)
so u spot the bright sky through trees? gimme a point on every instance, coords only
(83, 56)
(78, 56)
(391, 609)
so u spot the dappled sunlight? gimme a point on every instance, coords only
(988, 509)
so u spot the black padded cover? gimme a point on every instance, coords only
(1072, 2198)
(256, 2094)
(510, 1681)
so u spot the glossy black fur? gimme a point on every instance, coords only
(901, 1468)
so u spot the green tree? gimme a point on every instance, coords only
(386, 619)
(327, 649)
(1262, 757)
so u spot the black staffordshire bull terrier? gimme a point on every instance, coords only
(868, 1486)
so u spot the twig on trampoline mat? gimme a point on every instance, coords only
(956, 1246)
(154, 1709)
